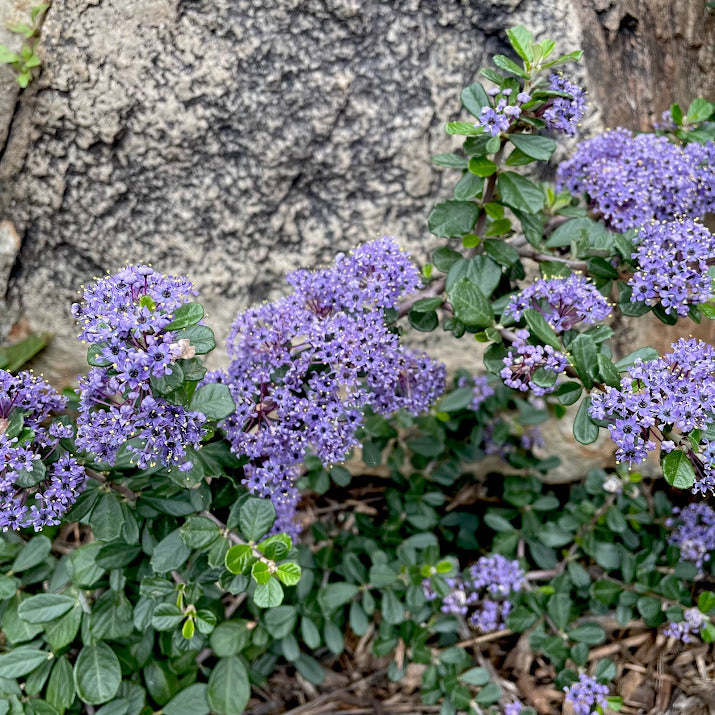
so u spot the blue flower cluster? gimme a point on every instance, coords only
(694, 533)
(675, 392)
(693, 621)
(498, 119)
(563, 114)
(672, 259)
(586, 695)
(305, 366)
(39, 482)
(484, 591)
(631, 180)
(563, 301)
(124, 317)
(524, 361)
(481, 389)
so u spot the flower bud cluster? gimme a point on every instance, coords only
(124, 317)
(672, 259)
(694, 533)
(631, 180)
(498, 118)
(482, 594)
(693, 621)
(304, 367)
(663, 400)
(39, 482)
(524, 360)
(563, 114)
(586, 695)
(563, 301)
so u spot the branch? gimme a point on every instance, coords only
(127, 493)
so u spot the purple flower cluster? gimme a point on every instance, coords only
(563, 114)
(631, 180)
(498, 119)
(304, 367)
(683, 631)
(563, 301)
(483, 590)
(481, 389)
(675, 392)
(514, 708)
(694, 534)
(124, 317)
(672, 259)
(524, 361)
(34, 491)
(586, 695)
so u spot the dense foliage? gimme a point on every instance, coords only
(157, 553)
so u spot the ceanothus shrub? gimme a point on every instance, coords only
(157, 554)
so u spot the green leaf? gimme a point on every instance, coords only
(644, 354)
(63, 631)
(585, 430)
(280, 621)
(504, 63)
(453, 218)
(200, 336)
(309, 633)
(521, 40)
(97, 674)
(189, 701)
(568, 393)
(608, 371)
(501, 252)
(44, 607)
(474, 98)
(699, 110)
(392, 609)
(268, 595)
(537, 147)
(520, 193)
(678, 470)
(230, 638)
(451, 161)
(7, 56)
(239, 558)
(166, 617)
(706, 601)
(34, 552)
(605, 591)
(584, 357)
(470, 305)
(559, 608)
(590, 633)
(288, 573)
(334, 595)
(60, 687)
(8, 587)
(107, 518)
(276, 547)
(481, 166)
(198, 532)
(214, 400)
(489, 694)
(454, 401)
(468, 187)
(21, 661)
(186, 315)
(256, 517)
(541, 329)
(170, 553)
(260, 572)
(310, 669)
(462, 129)
(228, 688)
(520, 619)
(649, 608)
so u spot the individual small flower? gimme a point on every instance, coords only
(38, 481)
(694, 533)
(513, 708)
(586, 695)
(631, 180)
(494, 120)
(563, 114)
(672, 260)
(693, 622)
(524, 361)
(563, 301)
(481, 389)
(523, 97)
